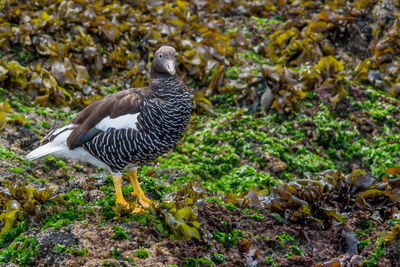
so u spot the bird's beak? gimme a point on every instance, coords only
(170, 66)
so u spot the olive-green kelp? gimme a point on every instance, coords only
(72, 52)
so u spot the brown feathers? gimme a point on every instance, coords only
(121, 103)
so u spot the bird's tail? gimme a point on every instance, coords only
(42, 151)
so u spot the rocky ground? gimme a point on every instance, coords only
(218, 161)
(291, 157)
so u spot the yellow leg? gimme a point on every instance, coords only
(137, 191)
(118, 192)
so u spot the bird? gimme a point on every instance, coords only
(127, 129)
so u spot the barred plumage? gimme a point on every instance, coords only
(159, 127)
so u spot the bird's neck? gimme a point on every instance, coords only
(167, 85)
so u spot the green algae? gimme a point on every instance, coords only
(373, 260)
(8, 236)
(363, 243)
(21, 251)
(119, 233)
(16, 170)
(194, 262)
(285, 239)
(59, 249)
(215, 158)
(223, 170)
(257, 216)
(296, 250)
(215, 153)
(116, 254)
(257, 58)
(75, 210)
(265, 23)
(12, 157)
(229, 239)
(142, 253)
(226, 153)
(218, 258)
(240, 179)
(149, 184)
(15, 247)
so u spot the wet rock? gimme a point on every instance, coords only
(274, 164)
(350, 240)
(383, 11)
(266, 99)
(48, 239)
(393, 252)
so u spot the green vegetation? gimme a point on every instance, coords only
(142, 253)
(205, 262)
(363, 243)
(130, 260)
(228, 153)
(21, 251)
(44, 124)
(296, 250)
(110, 89)
(229, 239)
(373, 261)
(257, 216)
(58, 249)
(254, 57)
(264, 23)
(119, 233)
(318, 155)
(232, 72)
(284, 239)
(218, 258)
(366, 227)
(73, 202)
(116, 254)
(269, 261)
(190, 262)
(9, 236)
(16, 170)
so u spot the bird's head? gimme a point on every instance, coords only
(164, 61)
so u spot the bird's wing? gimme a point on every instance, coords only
(118, 110)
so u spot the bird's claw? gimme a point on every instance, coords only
(123, 205)
(143, 201)
(137, 209)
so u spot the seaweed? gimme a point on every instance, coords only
(115, 44)
(323, 198)
(180, 211)
(4, 110)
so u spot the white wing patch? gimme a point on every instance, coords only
(121, 122)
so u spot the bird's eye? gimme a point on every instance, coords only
(160, 55)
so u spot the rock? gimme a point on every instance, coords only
(47, 241)
(383, 11)
(266, 99)
(274, 164)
